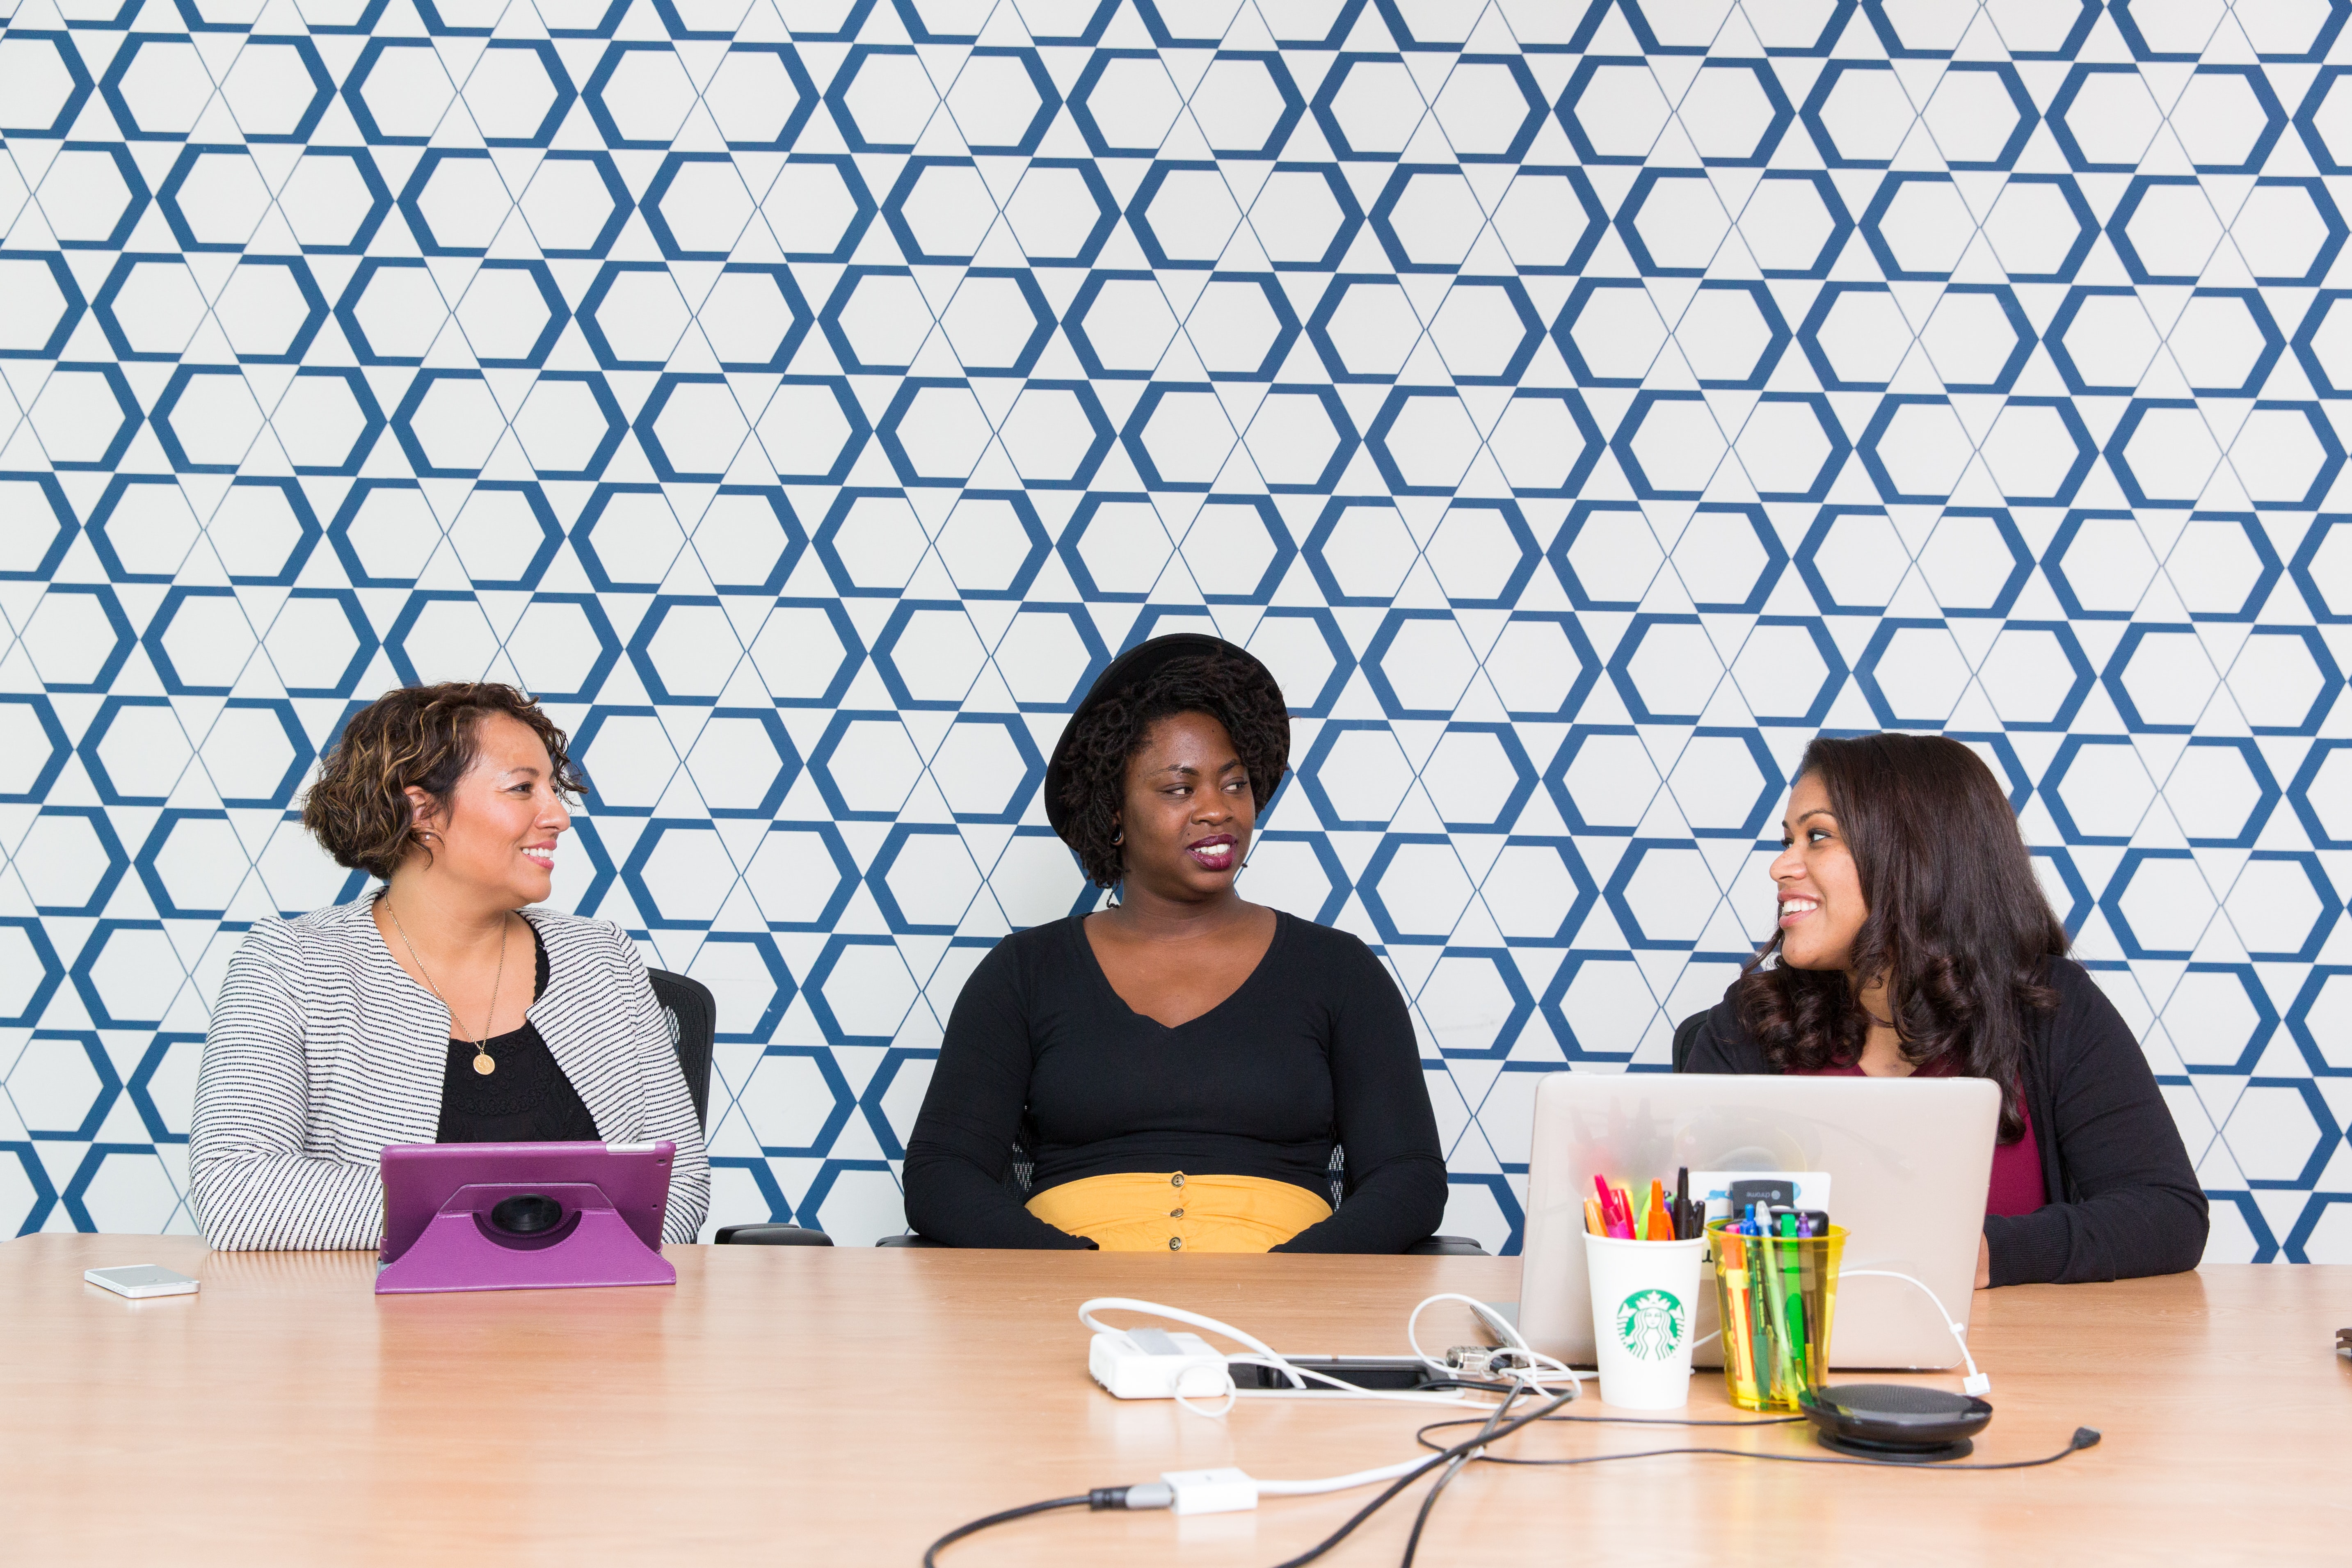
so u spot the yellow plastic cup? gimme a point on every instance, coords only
(1776, 1300)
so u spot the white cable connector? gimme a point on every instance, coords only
(1150, 1364)
(1232, 1490)
(1210, 1491)
(1976, 1383)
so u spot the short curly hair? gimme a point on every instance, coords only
(1102, 740)
(419, 737)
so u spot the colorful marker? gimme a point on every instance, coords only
(1792, 1278)
(1738, 1342)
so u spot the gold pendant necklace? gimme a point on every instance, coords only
(482, 1062)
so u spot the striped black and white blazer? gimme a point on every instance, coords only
(323, 1050)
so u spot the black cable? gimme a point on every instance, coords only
(1429, 1498)
(1115, 1497)
(1099, 1499)
(1631, 1421)
(1406, 1479)
(1650, 1421)
(2084, 1437)
(1493, 1430)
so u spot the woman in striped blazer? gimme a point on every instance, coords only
(445, 1007)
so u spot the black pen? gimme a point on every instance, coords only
(1683, 1204)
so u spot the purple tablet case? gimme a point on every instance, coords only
(523, 1217)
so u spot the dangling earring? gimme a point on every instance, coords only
(1118, 837)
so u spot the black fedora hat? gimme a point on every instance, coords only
(1123, 675)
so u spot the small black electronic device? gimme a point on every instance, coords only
(1767, 1191)
(1902, 1422)
(1389, 1374)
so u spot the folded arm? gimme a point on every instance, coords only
(1395, 1170)
(2133, 1206)
(962, 1141)
(251, 1184)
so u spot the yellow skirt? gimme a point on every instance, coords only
(1168, 1211)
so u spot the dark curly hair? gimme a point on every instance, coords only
(1957, 922)
(421, 737)
(1103, 739)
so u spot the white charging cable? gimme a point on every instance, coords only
(1341, 1483)
(1538, 1370)
(1976, 1383)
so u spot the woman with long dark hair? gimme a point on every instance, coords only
(1913, 938)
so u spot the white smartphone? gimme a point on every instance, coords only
(139, 1281)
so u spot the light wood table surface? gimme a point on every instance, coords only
(806, 1405)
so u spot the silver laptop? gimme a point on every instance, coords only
(1908, 1160)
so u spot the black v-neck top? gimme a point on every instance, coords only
(1315, 1048)
(527, 1101)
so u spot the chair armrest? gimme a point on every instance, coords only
(771, 1236)
(908, 1239)
(1445, 1246)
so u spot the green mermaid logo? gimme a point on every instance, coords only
(1650, 1325)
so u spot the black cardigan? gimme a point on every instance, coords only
(1315, 1047)
(2124, 1199)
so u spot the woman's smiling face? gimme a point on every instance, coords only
(498, 831)
(1189, 810)
(1821, 903)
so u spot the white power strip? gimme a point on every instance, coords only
(1151, 1363)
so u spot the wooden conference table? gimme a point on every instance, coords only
(802, 1406)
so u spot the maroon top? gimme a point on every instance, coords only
(2017, 1186)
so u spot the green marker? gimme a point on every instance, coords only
(1759, 1327)
(1780, 1335)
(1796, 1309)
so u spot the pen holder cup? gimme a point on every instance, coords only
(1645, 1310)
(1776, 1300)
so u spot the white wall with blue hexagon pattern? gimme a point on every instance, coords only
(1578, 403)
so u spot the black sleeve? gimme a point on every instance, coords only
(1723, 1046)
(2132, 1206)
(1395, 1170)
(962, 1141)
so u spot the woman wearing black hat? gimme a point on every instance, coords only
(1180, 1065)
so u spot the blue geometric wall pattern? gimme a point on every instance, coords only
(1580, 404)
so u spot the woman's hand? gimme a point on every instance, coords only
(1984, 1264)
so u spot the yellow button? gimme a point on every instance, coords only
(1177, 1180)
(1175, 1244)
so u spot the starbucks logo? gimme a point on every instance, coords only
(1650, 1325)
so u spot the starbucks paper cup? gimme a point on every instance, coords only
(1644, 1312)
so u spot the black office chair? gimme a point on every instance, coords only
(693, 1017)
(1687, 1038)
(771, 1235)
(1018, 1177)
